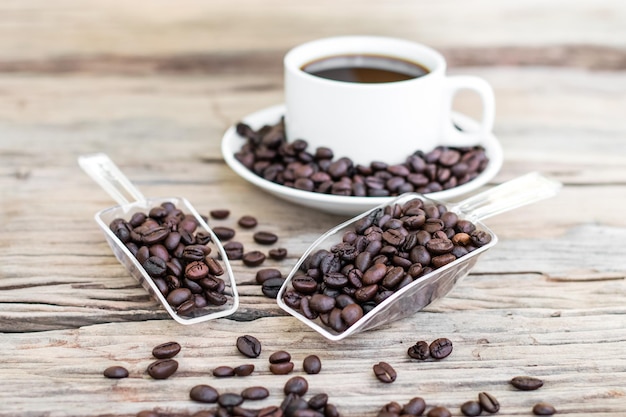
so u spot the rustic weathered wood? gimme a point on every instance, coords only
(154, 84)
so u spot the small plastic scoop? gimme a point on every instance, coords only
(220, 289)
(424, 289)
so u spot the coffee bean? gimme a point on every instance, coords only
(204, 394)
(224, 233)
(322, 303)
(439, 411)
(384, 372)
(318, 401)
(116, 372)
(244, 370)
(247, 222)
(271, 411)
(312, 364)
(219, 213)
(526, 383)
(255, 393)
(440, 348)
(471, 408)
(162, 368)
(265, 238)
(415, 406)
(234, 250)
(278, 254)
(543, 409)
(155, 266)
(223, 372)
(249, 346)
(178, 296)
(282, 368)
(253, 258)
(280, 356)
(351, 313)
(488, 402)
(229, 399)
(271, 287)
(419, 350)
(296, 385)
(263, 275)
(166, 350)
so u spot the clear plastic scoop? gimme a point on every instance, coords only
(104, 172)
(430, 287)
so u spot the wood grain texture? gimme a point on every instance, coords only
(155, 84)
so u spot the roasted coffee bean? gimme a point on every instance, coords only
(255, 393)
(155, 266)
(253, 258)
(440, 348)
(271, 287)
(318, 401)
(282, 368)
(312, 364)
(234, 250)
(265, 238)
(488, 402)
(249, 346)
(439, 411)
(215, 268)
(471, 408)
(219, 213)
(196, 270)
(162, 368)
(280, 356)
(224, 233)
(204, 394)
(419, 350)
(278, 254)
(229, 399)
(304, 284)
(296, 385)
(415, 406)
(247, 222)
(223, 371)
(263, 275)
(384, 372)
(526, 383)
(322, 303)
(271, 411)
(543, 409)
(351, 314)
(116, 372)
(244, 370)
(166, 350)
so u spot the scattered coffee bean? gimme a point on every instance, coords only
(249, 346)
(116, 372)
(543, 409)
(263, 275)
(162, 368)
(471, 408)
(488, 402)
(384, 372)
(296, 385)
(318, 401)
(280, 356)
(223, 372)
(166, 350)
(415, 406)
(234, 250)
(526, 383)
(281, 368)
(255, 393)
(204, 394)
(312, 364)
(244, 370)
(229, 399)
(219, 214)
(272, 286)
(224, 233)
(278, 254)
(247, 222)
(440, 348)
(268, 154)
(265, 238)
(253, 258)
(439, 411)
(419, 350)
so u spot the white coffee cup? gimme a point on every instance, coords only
(385, 121)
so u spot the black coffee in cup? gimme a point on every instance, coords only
(365, 68)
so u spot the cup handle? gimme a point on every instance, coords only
(451, 135)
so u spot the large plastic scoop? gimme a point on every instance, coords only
(414, 293)
(217, 287)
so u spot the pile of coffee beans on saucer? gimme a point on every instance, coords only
(267, 153)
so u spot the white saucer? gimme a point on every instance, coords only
(346, 205)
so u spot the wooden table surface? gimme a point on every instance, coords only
(154, 84)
